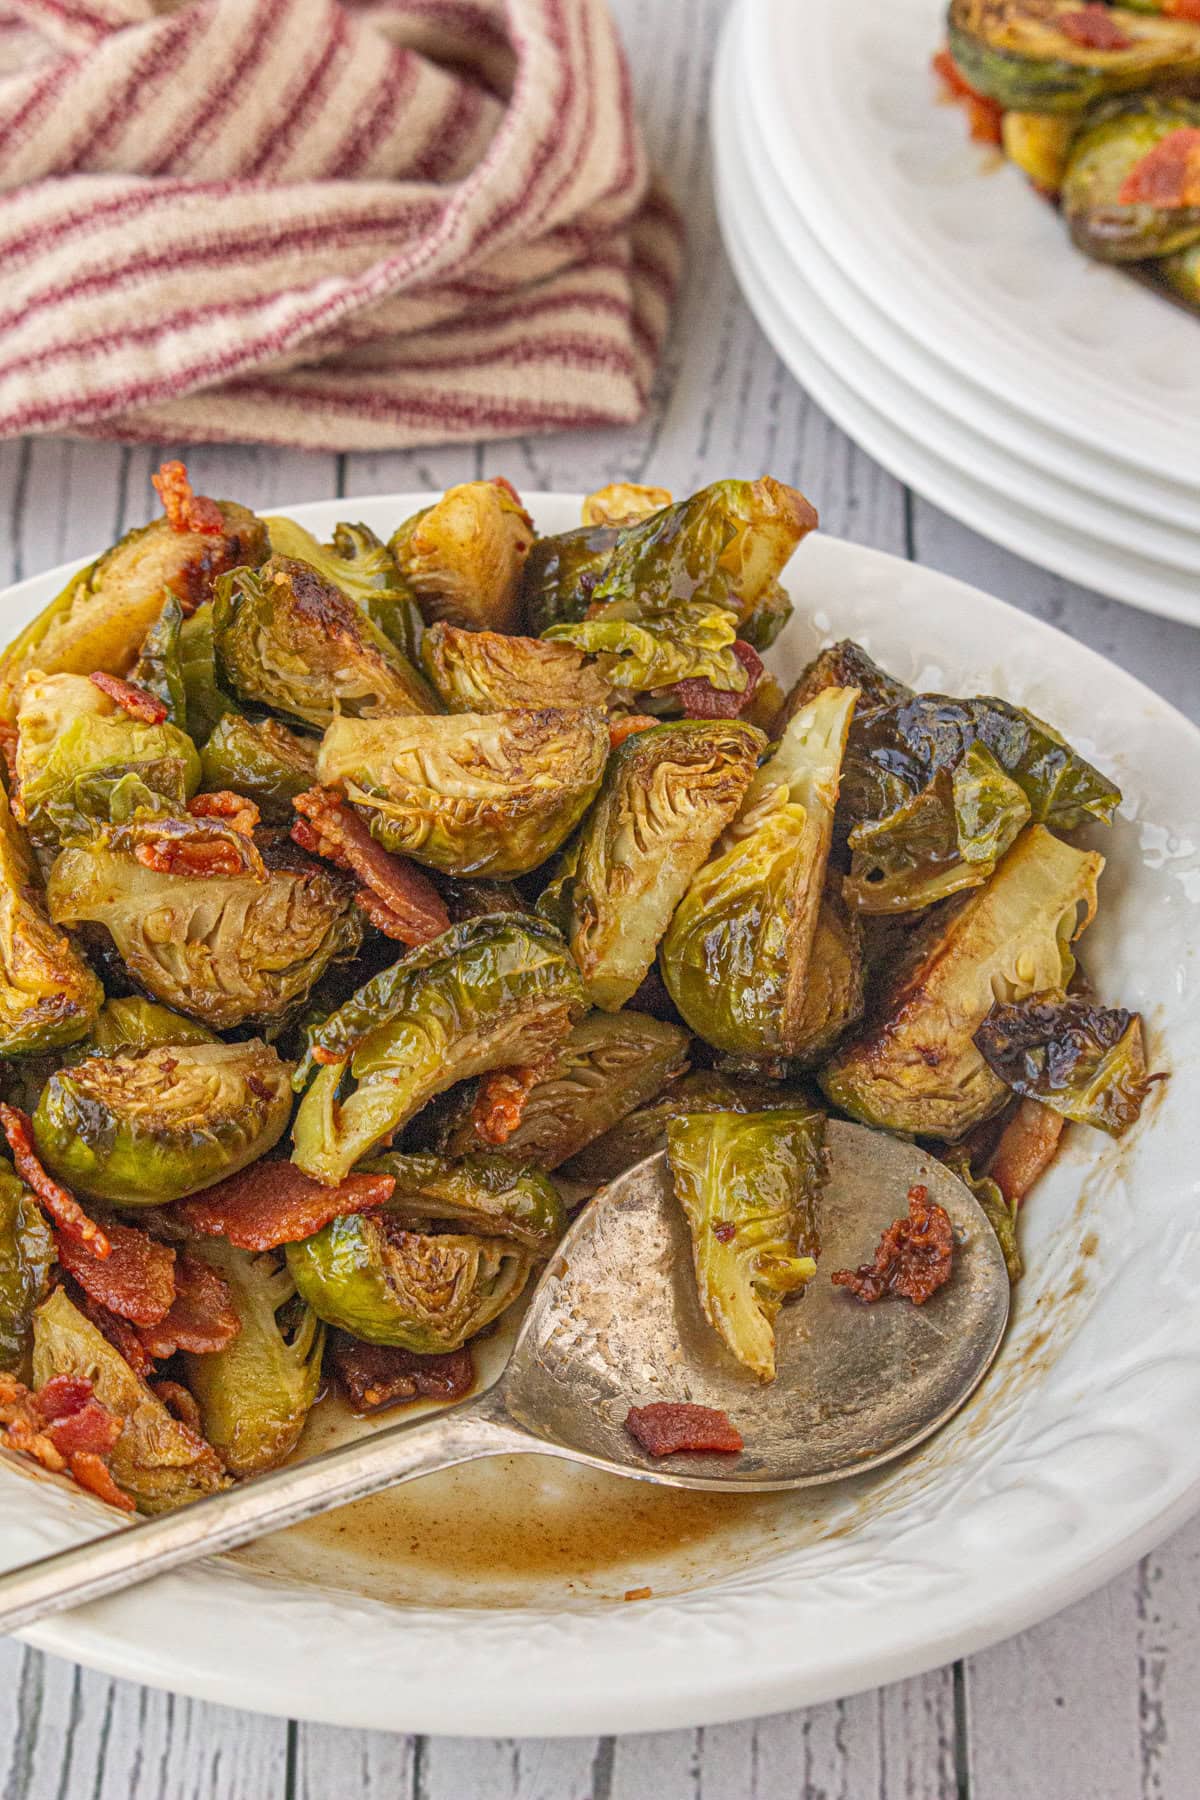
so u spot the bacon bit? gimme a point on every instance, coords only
(699, 699)
(235, 809)
(1025, 1150)
(984, 117)
(93, 1430)
(500, 1102)
(119, 1332)
(90, 1472)
(136, 1280)
(725, 1232)
(185, 510)
(407, 906)
(378, 1375)
(180, 856)
(1094, 28)
(202, 1316)
(628, 726)
(667, 1426)
(133, 700)
(61, 1205)
(638, 1593)
(914, 1257)
(179, 1403)
(1183, 9)
(273, 1203)
(64, 1428)
(63, 1395)
(1167, 176)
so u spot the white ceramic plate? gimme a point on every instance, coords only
(970, 265)
(895, 423)
(1075, 1458)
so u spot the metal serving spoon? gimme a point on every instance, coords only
(614, 1323)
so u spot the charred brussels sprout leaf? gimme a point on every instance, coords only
(463, 556)
(561, 574)
(206, 922)
(736, 954)
(492, 993)
(288, 639)
(482, 1193)
(420, 1292)
(470, 793)
(156, 1459)
(159, 667)
(644, 1132)
(48, 995)
(256, 1393)
(146, 1127)
(265, 761)
(1110, 144)
(206, 701)
(26, 1258)
(748, 1185)
(1018, 53)
(127, 1025)
(694, 641)
(763, 624)
(668, 793)
(916, 1068)
(488, 671)
(1086, 1062)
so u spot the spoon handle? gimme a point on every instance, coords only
(135, 1552)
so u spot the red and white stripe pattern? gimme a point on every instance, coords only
(335, 224)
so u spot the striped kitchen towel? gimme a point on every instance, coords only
(338, 224)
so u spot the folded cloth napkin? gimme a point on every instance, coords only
(323, 223)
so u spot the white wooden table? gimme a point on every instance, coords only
(1101, 1703)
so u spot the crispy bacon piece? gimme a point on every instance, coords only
(62, 1395)
(133, 700)
(202, 1316)
(1026, 1149)
(500, 1102)
(403, 902)
(179, 1403)
(92, 1431)
(136, 1280)
(914, 1258)
(273, 1203)
(1167, 176)
(1094, 28)
(93, 1473)
(984, 116)
(628, 726)
(185, 510)
(181, 856)
(64, 1428)
(699, 699)
(237, 811)
(668, 1425)
(120, 1333)
(377, 1375)
(57, 1201)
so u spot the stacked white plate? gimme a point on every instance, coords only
(935, 308)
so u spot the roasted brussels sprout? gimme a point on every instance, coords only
(694, 641)
(736, 954)
(1110, 144)
(48, 995)
(610, 1064)
(256, 1393)
(834, 983)
(484, 1193)
(1028, 54)
(144, 1127)
(204, 920)
(26, 1258)
(844, 664)
(156, 1458)
(100, 618)
(492, 993)
(356, 561)
(1001, 1214)
(470, 793)
(127, 1025)
(915, 1068)
(763, 624)
(748, 1185)
(81, 758)
(206, 700)
(561, 573)
(159, 667)
(668, 794)
(265, 761)
(288, 639)
(644, 1132)
(1084, 1061)
(488, 671)
(1039, 144)
(623, 503)
(463, 556)
(426, 1293)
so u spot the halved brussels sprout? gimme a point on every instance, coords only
(916, 1068)
(1110, 144)
(644, 1132)
(561, 573)
(1039, 144)
(462, 557)
(488, 671)
(390, 1286)
(206, 700)
(470, 793)
(748, 1185)
(694, 642)
(100, 618)
(623, 503)
(356, 561)
(610, 1064)
(844, 664)
(288, 639)
(1083, 1061)
(26, 1259)
(668, 793)
(487, 1194)
(256, 1393)
(159, 667)
(82, 758)
(206, 922)
(735, 957)
(147, 1127)
(492, 993)
(156, 1458)
(48, 995)
(834, 983)
(126, 1025)
(264, 760)
(1031, 54)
